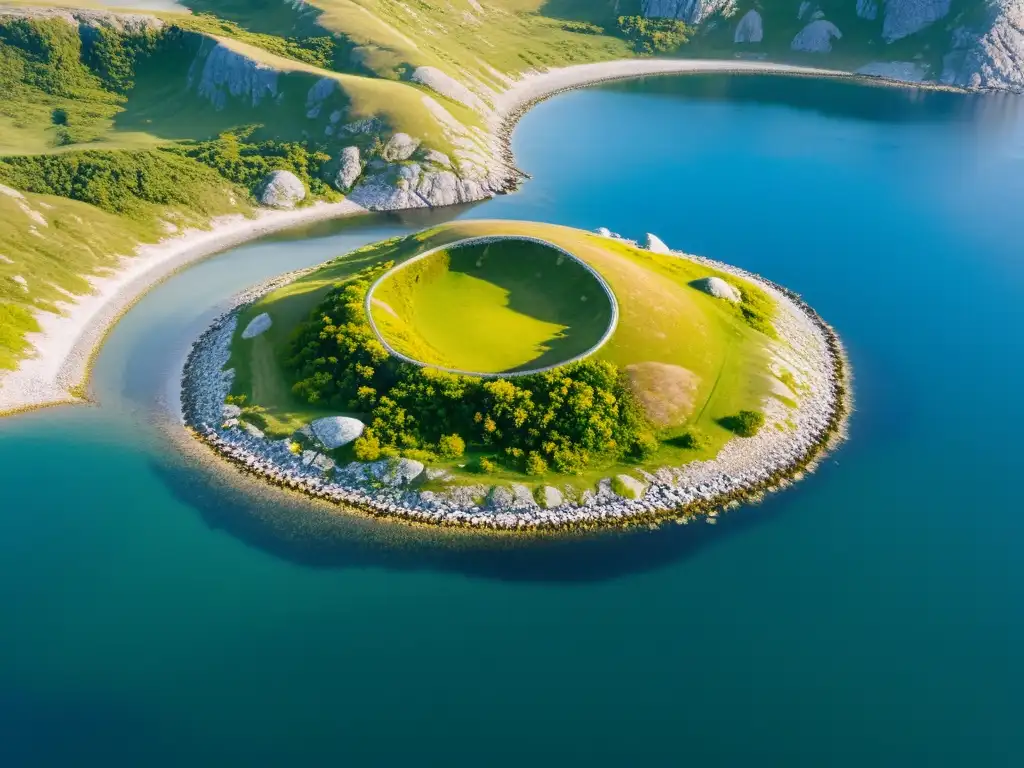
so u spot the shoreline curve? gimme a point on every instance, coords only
(64, 348)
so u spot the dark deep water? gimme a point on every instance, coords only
(873, 615)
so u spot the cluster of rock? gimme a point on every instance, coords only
(982, 41)
(787, 446)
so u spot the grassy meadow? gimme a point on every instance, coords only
(498, 307)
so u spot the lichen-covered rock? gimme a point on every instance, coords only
(228, 73)
(395, 472)
(336, 431)
(399, 147)
(282, 189)
(258, 325)
(231, 411)
(655, 244)
(348, 169)
(905, 17)
(750, 29)
(413, 186)
(437, 81)
(717, 287)
(690, 11)
(629, 487)
(816, 37)
(996, 58)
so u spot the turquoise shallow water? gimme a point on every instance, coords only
(150, 614)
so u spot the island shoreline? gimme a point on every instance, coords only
(205, 361)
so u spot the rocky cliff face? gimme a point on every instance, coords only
(968, 43)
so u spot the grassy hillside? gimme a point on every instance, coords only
(691, 360)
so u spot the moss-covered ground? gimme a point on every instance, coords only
(703, 353)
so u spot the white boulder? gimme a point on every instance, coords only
(395, 472)
(655, 244)
(717, 287)
(336, 431)
(258, 325)
(816, 37)
(750, 29)
(630, 487)
(350, 167)
(231, 411)
(282, 189)
(551, 497)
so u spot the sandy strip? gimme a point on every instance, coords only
(540, 85)
(65, 344)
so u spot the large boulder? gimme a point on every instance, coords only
(996, 59)
(750, 29)
(655, 244)
(395, 472)
(227, 74)
(348, 169)
(336, 431)
(281, 189)
(717, 287)
(258, 325)
(399, 147)
(628, 487)
(905, 17)
(816, 37)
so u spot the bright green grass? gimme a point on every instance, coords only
(492, 308)
(662, 320)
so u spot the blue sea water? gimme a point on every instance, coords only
(153, 613)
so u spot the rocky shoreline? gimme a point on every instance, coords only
(791, 444)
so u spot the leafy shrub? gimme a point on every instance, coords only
(366, 447)
(691, 439)
(744, 423)
(535, 464)
(451, 446)
(653, 36)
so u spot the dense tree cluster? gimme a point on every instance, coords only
(562, 419)
(114, 181)
(653, 36)
(245, 162)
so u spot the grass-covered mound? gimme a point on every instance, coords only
(492, 307)
(661, 391)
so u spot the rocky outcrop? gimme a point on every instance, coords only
(219, 73)
(993, 60)
(129, 23)
(415, 185)
(816, 37)
(336, 431)
(257, 326)
(690, 11)
(437, 81)
(399, 147)
(750, 29)
(344, 172)
(906, 17)
(281, 189)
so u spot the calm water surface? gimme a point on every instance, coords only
(153, 614)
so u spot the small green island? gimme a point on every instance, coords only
(514, 375)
